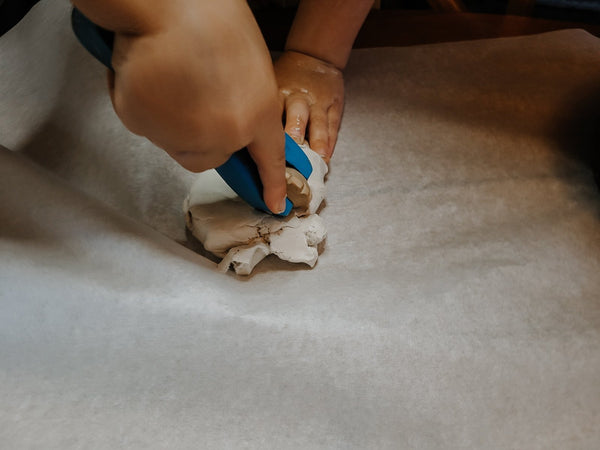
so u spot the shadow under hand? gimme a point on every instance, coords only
(83, 142)
(577, 129)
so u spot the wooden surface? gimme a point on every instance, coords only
(400, 28)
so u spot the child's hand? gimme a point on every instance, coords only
(313, 95)
(201, 86)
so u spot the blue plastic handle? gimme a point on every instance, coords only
(241, 174)
(96, 40)
(240, 171)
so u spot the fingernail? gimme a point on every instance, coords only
(282, 205)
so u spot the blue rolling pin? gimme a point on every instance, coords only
(239, 171)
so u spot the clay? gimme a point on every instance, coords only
(298, 190)
(230, 229)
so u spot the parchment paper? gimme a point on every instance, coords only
(456, 304)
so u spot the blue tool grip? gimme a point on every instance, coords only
(96, 40)
(239, 171)
(241, 174)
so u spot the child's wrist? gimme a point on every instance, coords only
(317, 59)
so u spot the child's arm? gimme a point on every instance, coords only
(326, 29)
(309, 73)
(195, 77)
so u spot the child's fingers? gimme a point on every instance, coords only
(334, 116)
(318, 132)
(296, 117)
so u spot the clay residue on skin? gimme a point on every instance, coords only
(230, 229)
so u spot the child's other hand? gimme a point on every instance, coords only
(313, 96)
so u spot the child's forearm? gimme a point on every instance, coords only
(326, 29)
